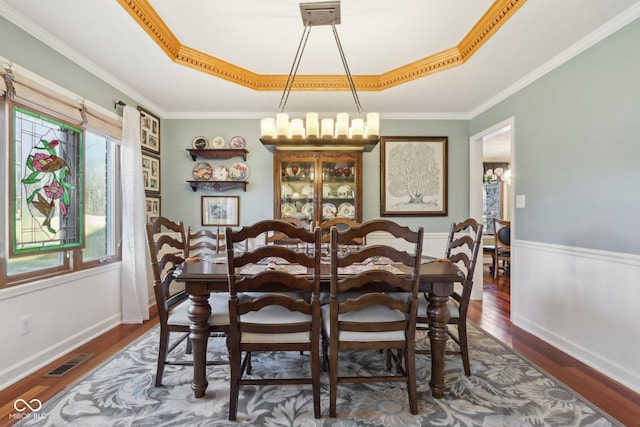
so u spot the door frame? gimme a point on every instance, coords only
(475, 185)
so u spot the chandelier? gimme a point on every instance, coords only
(314, 130)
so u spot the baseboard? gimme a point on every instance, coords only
(18, 371)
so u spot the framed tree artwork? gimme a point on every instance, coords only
(149, 131)
(413, 176)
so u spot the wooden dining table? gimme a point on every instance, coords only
(437, 277)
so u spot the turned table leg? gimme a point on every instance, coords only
(199, 313)
(438, 313)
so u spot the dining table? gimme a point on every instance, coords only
(437, 278)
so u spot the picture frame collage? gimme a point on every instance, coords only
(150, 145)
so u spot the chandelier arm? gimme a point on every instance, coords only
(294, 68)
(352, 86)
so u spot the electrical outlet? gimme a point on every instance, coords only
(25, 325)
(520, 201)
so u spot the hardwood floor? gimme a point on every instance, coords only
(491, 314)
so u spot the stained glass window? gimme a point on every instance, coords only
(47, 188)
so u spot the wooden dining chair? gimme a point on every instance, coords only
(204, 242)
(274, 309)
(341, 224)
(281, 239)
(372, 320)
(463, 245)
(167, 249)
(501, 246)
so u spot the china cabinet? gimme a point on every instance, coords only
(318, 186)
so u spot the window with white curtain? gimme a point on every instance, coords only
(93, 134)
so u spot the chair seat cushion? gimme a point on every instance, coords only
(370, 314)
(275, 314)
(219, 303)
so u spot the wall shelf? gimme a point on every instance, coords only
(218, 185)
(221, 153)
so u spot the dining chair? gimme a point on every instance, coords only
(275, 308)
(204, 242)
(167, 250)
(501, 246)
(463, 245)
(281, 239)
(341, 224)
(372, 320)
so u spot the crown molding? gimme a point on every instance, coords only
(147, 18)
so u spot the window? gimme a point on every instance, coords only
(81, 228)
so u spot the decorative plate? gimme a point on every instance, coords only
(344, 191)
(307, 209)
(220, 173)
(346, 210)
(217, 142)
(237, 142)
(328, 210)
(202, 171)
(238, 172)
(326, 190)
(307, 190)
(200, 143)
(288, 209)
(287, 190)
(293, 169)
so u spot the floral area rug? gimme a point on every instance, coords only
(503, 390)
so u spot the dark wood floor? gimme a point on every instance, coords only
(491, 314)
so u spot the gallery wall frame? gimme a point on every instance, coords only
(413, 176)
(153, 208)
(149, 131)
(220, 210)
(151, 173)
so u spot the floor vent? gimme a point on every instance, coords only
(68, 365)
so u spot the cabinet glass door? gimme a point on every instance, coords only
(338, 198)
(297, 190)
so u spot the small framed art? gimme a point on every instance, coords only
(152, 207)
(413, 176)
(149, 131)
(220, 211)
(151, 172)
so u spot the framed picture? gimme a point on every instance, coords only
(151, 172)
(149, 131)
(153, 207)
(218, 210)
(413, 176)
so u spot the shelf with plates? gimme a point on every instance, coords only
(218, 185)
(318, 186)
(217, 153)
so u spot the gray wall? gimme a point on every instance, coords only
(178, 201)
(30, 53)
(577, 148)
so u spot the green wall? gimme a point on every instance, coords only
(179, 201)
(577, 148)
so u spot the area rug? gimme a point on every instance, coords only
(503, 390)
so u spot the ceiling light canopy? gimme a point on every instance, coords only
(313, 131)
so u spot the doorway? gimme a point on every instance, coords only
(495, 147)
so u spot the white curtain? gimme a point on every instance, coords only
(135, 288)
